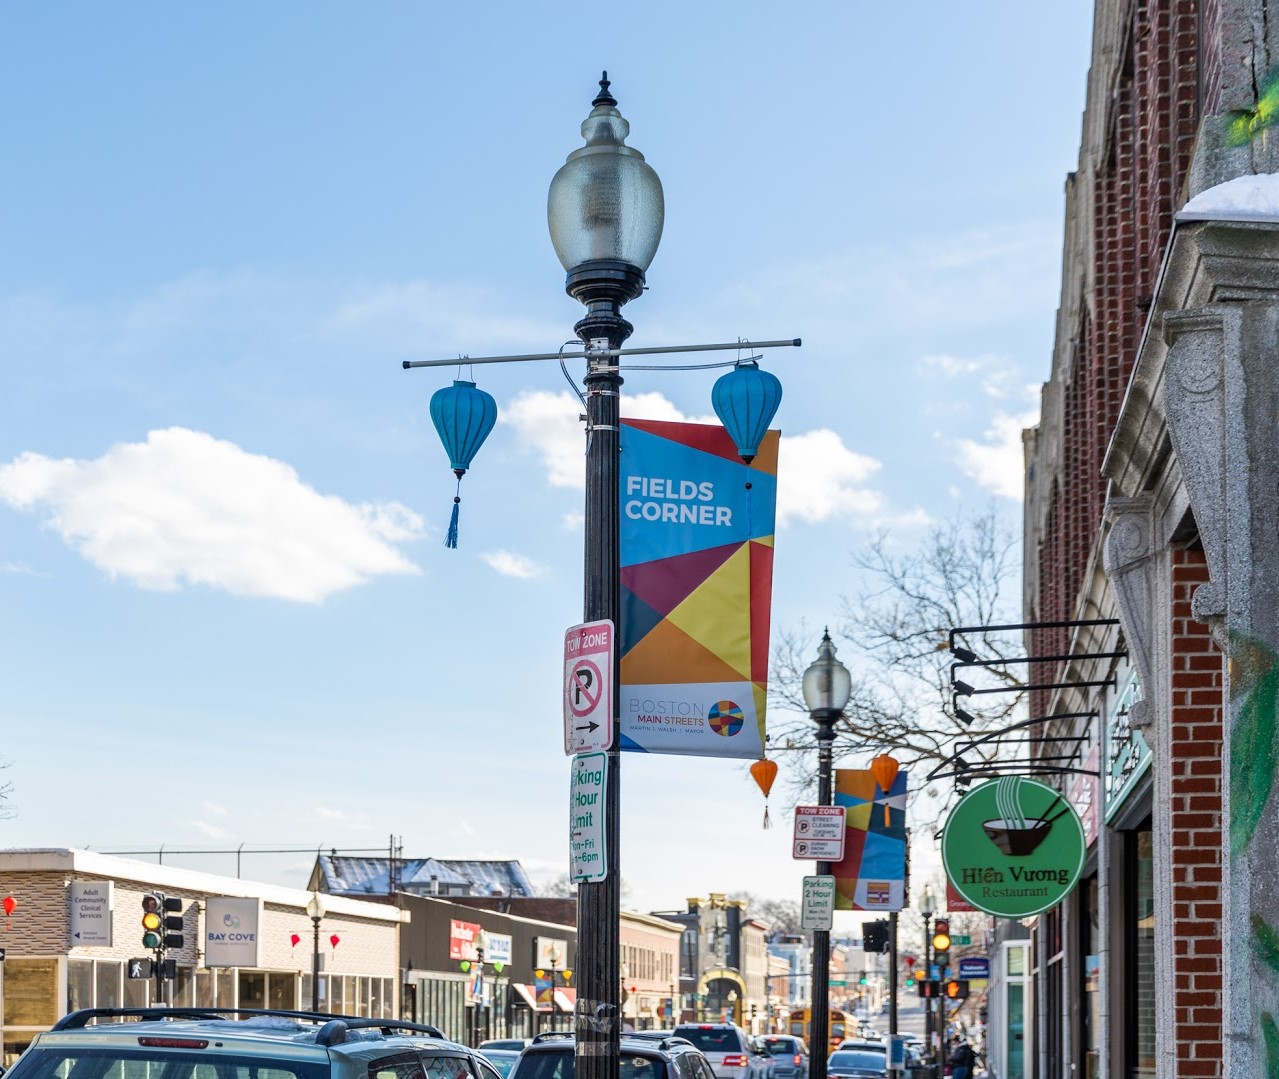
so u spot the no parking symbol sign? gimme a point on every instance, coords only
(588, 687)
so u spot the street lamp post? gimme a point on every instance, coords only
(605, 212)
(928, 907)
(827, 687)
(315, 911)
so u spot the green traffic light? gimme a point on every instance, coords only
(150, 940)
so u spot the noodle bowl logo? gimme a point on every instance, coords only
(1013, 832)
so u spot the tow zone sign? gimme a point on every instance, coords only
(588, 687)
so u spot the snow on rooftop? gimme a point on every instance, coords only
(1243, 197)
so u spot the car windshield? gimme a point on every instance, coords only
(781, 1047)
(711, 1039)
(864, 1059)
(561, 1065)
(117, 1063)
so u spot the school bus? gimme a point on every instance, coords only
(801, 1027)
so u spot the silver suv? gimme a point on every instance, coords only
(728, 1048)
(205, 1043)
(644, 1055)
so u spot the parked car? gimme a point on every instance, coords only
(515, 1045)
(552, 1056)
(501, 1059)
(790, 1055)
(193, 1043)
(728, 1048)
(765, 1062)
(858, 1060)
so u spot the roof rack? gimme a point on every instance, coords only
(332, 1032)
(554, 1035)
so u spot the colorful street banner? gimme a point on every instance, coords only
(872, 875)
(545, 990)
(696, 582)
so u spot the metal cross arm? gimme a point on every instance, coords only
(604, 353)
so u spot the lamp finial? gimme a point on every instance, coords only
(604, 97)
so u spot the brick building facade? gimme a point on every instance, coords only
(1152, 514)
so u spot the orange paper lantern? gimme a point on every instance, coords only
(884, 768)
(764, 772)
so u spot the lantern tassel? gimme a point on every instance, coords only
(767, 823)
(450, 540)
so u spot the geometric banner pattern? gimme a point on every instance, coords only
(696, 586)
(872, 875)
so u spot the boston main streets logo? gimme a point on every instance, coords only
(1013, 847)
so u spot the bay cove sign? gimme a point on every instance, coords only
(1013, 847)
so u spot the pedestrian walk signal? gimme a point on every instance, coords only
(957, 989)
(140, 968)
(929, 987)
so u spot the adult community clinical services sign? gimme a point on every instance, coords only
(1013, 847)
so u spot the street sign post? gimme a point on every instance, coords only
(817, 911)
(819, 833)
(588, 689)
(587, 787)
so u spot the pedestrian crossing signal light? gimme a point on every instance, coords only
(929, 988)
(151, 921)
(957, 989)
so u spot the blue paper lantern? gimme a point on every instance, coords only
(463, 416)
(746, 401)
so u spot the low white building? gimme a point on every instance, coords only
(73, 928)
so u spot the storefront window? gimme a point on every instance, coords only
(1090, 943)
(107, 982)
(1141, 924)
(184, 986)
(283, 991)
(204, 989)
(136, 992)
(252, 989)
(79, 984)
(224, 992)
(375, 1004)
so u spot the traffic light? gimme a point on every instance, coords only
(172, 921)
(151, 921)
(929, 987)
(957, 989)
(863, 980)
(941, 941)
(875, 935)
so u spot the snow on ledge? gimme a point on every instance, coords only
(1251, 198)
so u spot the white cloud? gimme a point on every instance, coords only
(546, 424)
(212, 809)
(951, 366)
(510, 564)
(328, 813)
(186, 508)
(210, 830)
(997, 463)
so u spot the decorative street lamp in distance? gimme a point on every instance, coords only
(928, 907)
(827, 686)
(315, 911)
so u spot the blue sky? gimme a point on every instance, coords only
(227, 614)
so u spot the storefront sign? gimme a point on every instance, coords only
(497, 948)
(1013, 847)
(550, 952)
(91, 904)
(696, 541)
(463, 939)
(231, 932)
(1127, 754)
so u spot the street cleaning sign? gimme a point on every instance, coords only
(588, 787)
(588, 687)
(819, 833)
(1013, 847)
(696, 540)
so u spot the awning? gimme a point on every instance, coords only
(527, 994)
(566, 999)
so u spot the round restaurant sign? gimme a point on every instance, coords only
(1013, 847)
